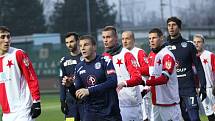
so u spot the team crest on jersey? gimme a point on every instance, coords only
(171, 47)
(134, 63)
(184, 44)
(98, 65)
(26, 62)
(91, 80)
(145, 59)
(168, 64)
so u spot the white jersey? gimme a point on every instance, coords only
(165, 94)
(208, 63)
(18, 81)
(126, 69)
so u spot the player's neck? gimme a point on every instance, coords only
(90, 58)
(200, 51)
(175, 36)
(2, 52)
(75, 53)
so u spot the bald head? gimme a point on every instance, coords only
(128, 40)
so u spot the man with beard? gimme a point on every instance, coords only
(69, 106)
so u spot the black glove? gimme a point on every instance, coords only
(213, 90)
(202, 94)
(35, 110)
(64, 107)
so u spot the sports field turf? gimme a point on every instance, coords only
(51, 109)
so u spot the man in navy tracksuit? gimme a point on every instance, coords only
(185, 54)
(69, 106)
(95, 83)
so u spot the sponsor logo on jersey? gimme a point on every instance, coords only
(111, 71)
(91, 80)
(82, 72)
(184, 44)
(97, 65)
(181, 69)
(171, 47)
(69, 62)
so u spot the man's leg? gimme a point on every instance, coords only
(72, 108)
(184, 110)
(191, 104)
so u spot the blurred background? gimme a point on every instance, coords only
(39, 26)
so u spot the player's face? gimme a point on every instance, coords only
(173, 29)
(71, 43)
(154, 40)
(127, 40)
(198, 43)
(87, 49)
(5, 40)
(109, 39)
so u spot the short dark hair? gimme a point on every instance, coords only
(76, 35)
(176, 20)
(110, 28)
(4, 29)
(156, 30)
(89, 37)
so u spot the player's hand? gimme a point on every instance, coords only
(202, 94)
(81, 93)
(35, 110)
(64, 107)
(120, 86)
(67, 81)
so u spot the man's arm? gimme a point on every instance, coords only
(27, 70)
(29, 74)
(168, 64)
(142, 58)
(132, 67)
(62, 87)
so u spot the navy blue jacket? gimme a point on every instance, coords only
(185, 55)
(67, 66)
(100, 78)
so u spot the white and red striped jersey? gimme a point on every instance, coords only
(208, 63)
(19, 85)
(126, 68)
(164, 92)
